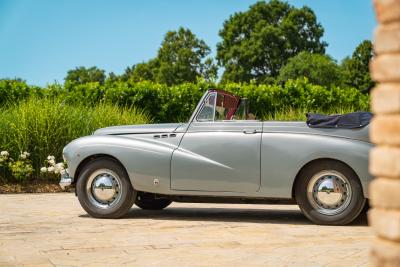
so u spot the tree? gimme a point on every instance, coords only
(356, 68)
(182, 57)
(112, 78)
(82, 75)
(319, 69)
(145, 71)
(256, 43)
(127, 73)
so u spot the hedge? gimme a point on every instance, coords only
(175, 103)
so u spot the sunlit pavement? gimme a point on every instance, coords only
(53, 230)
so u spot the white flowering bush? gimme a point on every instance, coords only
(21, 168)
(4, 161)
(53, 167)
(4, 158)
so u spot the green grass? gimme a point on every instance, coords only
(44, 126)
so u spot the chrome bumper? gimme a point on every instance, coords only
(65, 180)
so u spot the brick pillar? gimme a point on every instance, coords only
(384, 217)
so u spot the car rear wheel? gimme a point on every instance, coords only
(150, 202)
(329, 192)
(104, 189)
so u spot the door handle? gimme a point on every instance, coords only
(250, 131)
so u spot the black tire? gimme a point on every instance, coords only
(148, 201)
(85, 196)
(353, 207)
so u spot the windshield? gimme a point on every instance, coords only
(207, 112)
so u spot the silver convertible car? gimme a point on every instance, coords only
(222, 155)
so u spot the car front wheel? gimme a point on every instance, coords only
(329, 192)
(104, 189)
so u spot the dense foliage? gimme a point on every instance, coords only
(175, 103)
(356, 69)
(318, 69)
(257, 42)
(11, 91)
(82, 75)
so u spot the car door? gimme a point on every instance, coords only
(218, 155)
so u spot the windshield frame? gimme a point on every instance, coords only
(204, 103)
(204, 99)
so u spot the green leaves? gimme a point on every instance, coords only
(356, 68)
(176, 103)
(82, 75)
(21, 169)
(318, 69)
(12, 90)
(258, 42)
(181, 58)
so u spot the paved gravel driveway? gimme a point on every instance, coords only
(53, 230)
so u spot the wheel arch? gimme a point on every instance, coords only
(93, 157)
(319, 160)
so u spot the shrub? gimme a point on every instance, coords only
(12, 91)
(299, 94)
(163, 103)
(22, 168)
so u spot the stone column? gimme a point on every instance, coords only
(384, 217)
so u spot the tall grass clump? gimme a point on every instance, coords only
(44, 126)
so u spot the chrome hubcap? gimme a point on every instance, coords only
(104, 188)
(329, 192)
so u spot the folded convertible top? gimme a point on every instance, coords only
(346, 121)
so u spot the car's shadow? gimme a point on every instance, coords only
(271, 216)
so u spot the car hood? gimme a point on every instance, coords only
(138, 129)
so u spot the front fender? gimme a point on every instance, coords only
(143, 159)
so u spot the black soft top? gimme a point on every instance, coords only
(346, 121)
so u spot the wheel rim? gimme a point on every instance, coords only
(104, 188)
(329, 192)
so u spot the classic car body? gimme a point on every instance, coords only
(227, 158)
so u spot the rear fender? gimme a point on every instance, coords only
(285, 154)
